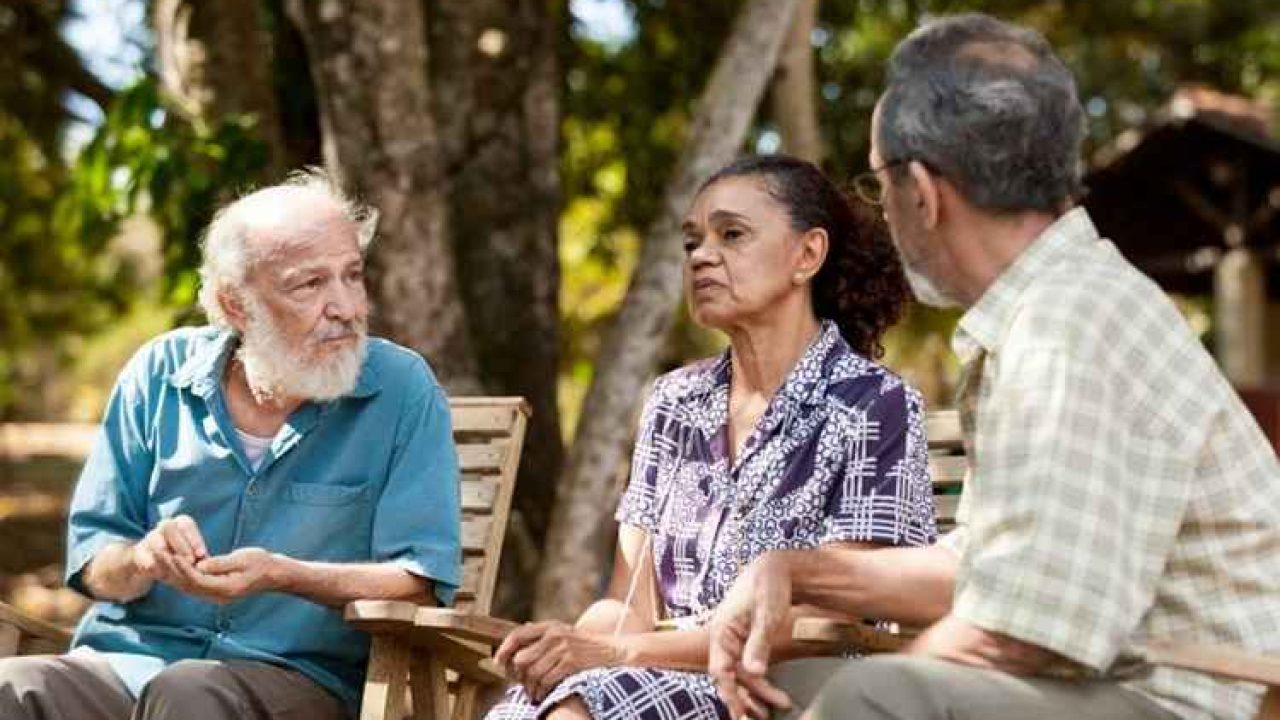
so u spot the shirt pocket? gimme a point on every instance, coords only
(325, 494)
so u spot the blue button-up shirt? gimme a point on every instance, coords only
(372, 476)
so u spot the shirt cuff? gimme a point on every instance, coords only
(444, 585)
(998, 611)
(81, 553)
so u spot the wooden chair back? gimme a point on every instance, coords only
(947, 465)
(489, 434)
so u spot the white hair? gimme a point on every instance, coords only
(278, 367)
(229, 248)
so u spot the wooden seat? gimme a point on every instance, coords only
(425, 662)
(948, 469)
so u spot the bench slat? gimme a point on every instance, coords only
(478, 493)
(947, 470)
(945, 508)
(481, 457)
(482, 420)
(475, 534)
(943, 429)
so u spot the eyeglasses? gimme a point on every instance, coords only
(867, 185)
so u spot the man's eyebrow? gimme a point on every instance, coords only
(296, 270)
(688, 227)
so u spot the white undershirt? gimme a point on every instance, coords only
(254, 447)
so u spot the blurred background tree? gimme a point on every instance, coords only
(542, 140)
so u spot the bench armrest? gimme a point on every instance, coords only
(830, 636)
(462, 640)
(22, 634)
(1222, 661)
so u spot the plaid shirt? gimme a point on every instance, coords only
(1119, 490)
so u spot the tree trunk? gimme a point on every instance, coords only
(495, 74)
(214, 59)
(369, 64)
(578, 542)
(794, 97)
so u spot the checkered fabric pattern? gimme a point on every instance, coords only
(1119, 490)
(623, 694)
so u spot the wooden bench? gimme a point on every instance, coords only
(425, 662)
(948, 469)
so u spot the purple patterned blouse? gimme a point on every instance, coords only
(838, 456)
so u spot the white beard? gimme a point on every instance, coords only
(275, 369)
(926, 291)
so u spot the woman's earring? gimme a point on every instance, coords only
(798, 278)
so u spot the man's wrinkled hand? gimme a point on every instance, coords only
(169, 553)
(755, 610)
(244, 572)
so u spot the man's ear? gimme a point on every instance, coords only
(814, 244)
(928, 194)
(233, 308)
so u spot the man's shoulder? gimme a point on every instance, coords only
(1095, 301)
(167, 353)
(397, 369)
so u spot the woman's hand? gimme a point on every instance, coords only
(539, 655)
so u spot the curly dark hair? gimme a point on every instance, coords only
(860, 286)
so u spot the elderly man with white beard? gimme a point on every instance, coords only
(249, 479)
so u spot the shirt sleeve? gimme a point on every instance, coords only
(883, 494)
(639, 506)
(109, 504)
(1065, 545)
(416, 522)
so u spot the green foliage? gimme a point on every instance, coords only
(48, 281)
(146, 157)
(627, 104)
(62, 275)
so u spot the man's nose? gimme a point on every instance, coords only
(345, 303)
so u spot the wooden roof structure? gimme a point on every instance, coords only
(1201, 180)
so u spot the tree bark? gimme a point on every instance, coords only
(369, 62)
(495, 75)
(214, 59)
(793, 94)
(578, 542)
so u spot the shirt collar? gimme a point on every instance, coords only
(807, 382)
(983, 324)
(202, 370)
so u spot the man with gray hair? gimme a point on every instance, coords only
(249, 479)
(1119, 493)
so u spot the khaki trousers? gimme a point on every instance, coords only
(902, 687)
(83, 686)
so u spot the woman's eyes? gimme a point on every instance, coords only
(691, 242)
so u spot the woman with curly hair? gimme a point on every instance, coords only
(792, 438)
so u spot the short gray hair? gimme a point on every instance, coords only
(227, 249)
(988, 105)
